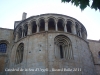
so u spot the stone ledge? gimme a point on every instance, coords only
(3, 54)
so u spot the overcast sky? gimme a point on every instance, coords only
(11, 10)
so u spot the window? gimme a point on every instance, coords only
(42, 25)
(63, 47)
(19, 53)
(60, 25)
(61, 51)
(51, 24)
(3, 47)
(34, 27)
(20, 33)
(68, 25)
(25, 30)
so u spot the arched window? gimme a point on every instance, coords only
(63, 47)
(60, 25)
(19, 53)
(51, 24)
(78, 30)
(68, 25)
(19, 33)
(3, 47)
(42, 25)
(34, 27)
(25, 30)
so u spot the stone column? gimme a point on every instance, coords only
(84, 36)
(37, 26)
(73, 28)
(80, 31)
(46, 25)
(65, 28)
(16, 36)
(29, 28)
(23, 31)
(56, 25)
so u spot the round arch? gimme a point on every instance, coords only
(41, 23)
(33, 25)
(60, 24)
(51, 23)
(63, 47)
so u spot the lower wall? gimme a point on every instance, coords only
(39, 52)
(95, 48)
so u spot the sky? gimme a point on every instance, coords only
(11, 10)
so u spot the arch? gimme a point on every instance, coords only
(42, 25)
(52, 18)
(25, 30)
(78, 29)
(51, 24)
(4, 41)
(19, 53)
(63, 47)
(34, 27)
(19, 32)
(68, 25)
(60, 25)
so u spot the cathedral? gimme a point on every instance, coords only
(48, 44)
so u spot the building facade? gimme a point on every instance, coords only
(48, 44)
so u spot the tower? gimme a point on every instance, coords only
(52, 42)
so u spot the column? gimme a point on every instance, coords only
(29, 28)
(56, 25)
(46, 25)
(80, 31)
(84, 36)
(37, 26)
(73, 28)
(23, 31)
(16, 36)
(65, 28)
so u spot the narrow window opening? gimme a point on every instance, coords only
(79, 33)
(20, 33)
(51, 24)
(42, 25)
(60, 25)
(61, 51)
(19, 53)
(34, 27)
(69, 27)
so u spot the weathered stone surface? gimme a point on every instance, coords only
(40, 56)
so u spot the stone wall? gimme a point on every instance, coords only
(39, 52)
(95, 48)
(6, 36)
